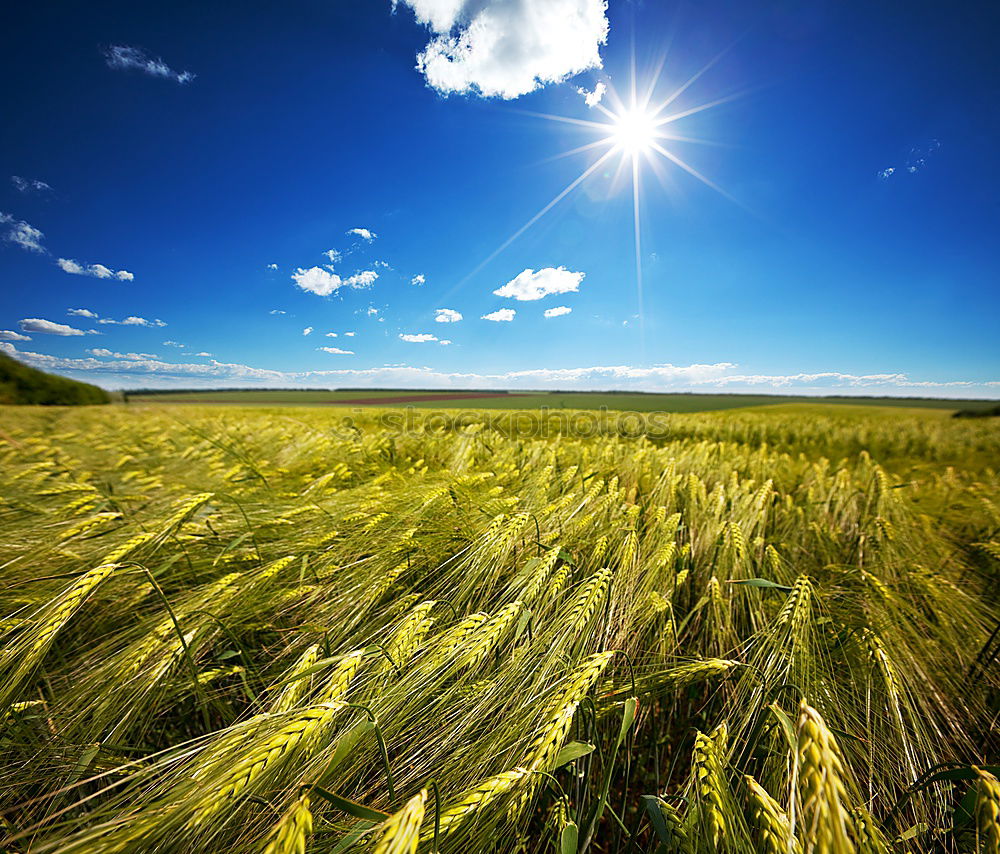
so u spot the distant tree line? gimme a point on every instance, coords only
(21, 384)
(978, 413)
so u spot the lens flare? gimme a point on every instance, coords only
(634, 131)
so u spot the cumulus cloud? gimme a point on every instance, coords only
(68, 265)
(81, 312)
(276, 311)
(444, 342)
(126, 58)
(110, 354)
(418, 279)
(174, 344)
(272, 266)
(333, 255)
(501, 315)
(307, 331)
(203, 353)
(417, 337)
(21, 233)
(507, 48)
(317, 281)
(48, 327)
(336, 351)
(132, 320)
(364, 279)
(447, 315)
(363, 233)
(592, 99)
(324, 282)
(29, 185)
(11, 335)
(349, 334)
(558, 311)
(532, 285)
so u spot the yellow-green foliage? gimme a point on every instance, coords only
(236, 630)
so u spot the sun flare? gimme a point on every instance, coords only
(634, 131)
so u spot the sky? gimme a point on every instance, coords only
(799, 197)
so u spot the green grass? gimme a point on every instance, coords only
(281, 629)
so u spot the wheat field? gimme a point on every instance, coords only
(240, 630)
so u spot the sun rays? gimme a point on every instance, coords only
(635, 133)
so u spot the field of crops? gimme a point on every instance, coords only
(240, 630)
(636, 402)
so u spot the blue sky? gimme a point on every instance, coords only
(226, 178)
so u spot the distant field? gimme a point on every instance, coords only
(437, 399)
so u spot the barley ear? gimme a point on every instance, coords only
(401, 831)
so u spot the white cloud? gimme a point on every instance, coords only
(333, 255)
(322, 282)
(558, 311)
(29, 185)
(364, 279)
(47, 327)
(349, 334)
(331, 334)
(81, 312)
(444, 342)
(174, 344)
(664, 377)
(363, 233)
(507, 48)
(101, 351)
(592, 99)
(317, 281)
(124, 57)
(916, 161)
(68, 265)
(307, 331)
(371, 311)
(417, 337)
(532, 285)
(336, 351)
(447, 315)
(418, 279)
(20, 233)
(204, 354)
(276, 311)
(272, 266)
(501, 315)
(11, 335)
(132, 320)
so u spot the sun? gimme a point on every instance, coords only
(634, 131)
(631, 134)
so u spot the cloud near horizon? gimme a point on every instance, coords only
(120, 373)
